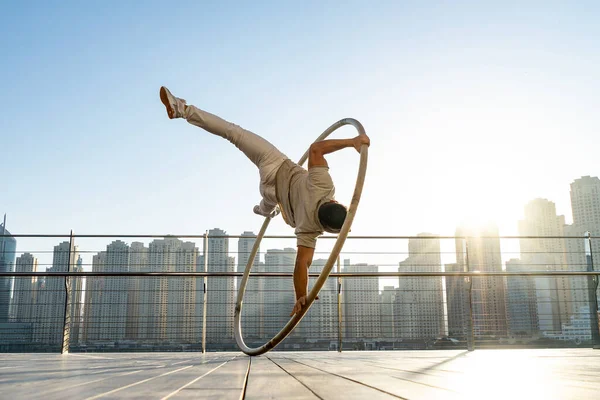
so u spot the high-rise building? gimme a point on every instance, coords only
(113, 308)
(138, 262)
(50, 305)
(361, 303)
(108, 295)
(521, 301)
(585, 205)
(77, 302)
(159, 256)
(321, 321)
(181, 312)
(387, 321)
(8, 248)
(221, 290)
(419, 302)
(93, 319)
(457, 302)
(200, 293)
(488, 293)
(278, 295)
(168, 304)
(554, 302)
(25, 289)
(577, 250)
(150, 294)
(252, 308)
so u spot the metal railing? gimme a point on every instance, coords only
(162, 293)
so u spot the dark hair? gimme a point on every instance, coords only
(332, 216)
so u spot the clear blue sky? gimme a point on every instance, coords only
(473, 109)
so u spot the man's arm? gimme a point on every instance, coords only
(303, 260)
(318, 150)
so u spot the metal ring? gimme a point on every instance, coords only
(296, 318)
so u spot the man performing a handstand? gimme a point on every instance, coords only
(305, 198)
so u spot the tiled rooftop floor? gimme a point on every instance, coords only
(451, 374)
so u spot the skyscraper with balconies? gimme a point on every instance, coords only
(221, 290)
(138, 262)
(361, 303)
(321, 321)
(554, 300)
(386, 317)
(25, 289)
(93, 319)
(480, 251)
(182, 325)
(278, 295)
(419, 302)
(106, 316)
(113, 308)
(252, 309)
(585, 205)
(50, 305)
(521, 301)
(168, 304)
(457, 302)
(8, 248)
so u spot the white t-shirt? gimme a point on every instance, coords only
(300, 193)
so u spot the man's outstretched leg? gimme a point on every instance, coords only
(263, 154)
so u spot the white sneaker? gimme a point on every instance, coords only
(175, 106)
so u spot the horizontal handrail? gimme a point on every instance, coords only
(187, 236)
(285, 274)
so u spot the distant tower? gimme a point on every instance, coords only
(113, 291)
(182, 327)
(278, 295)
(93, 320)
(25, 289)
(169, 303)
(252, 310)
(554, 302)
(361, 304)
(321, 322)
(521, 301)
(221, 290)
(386, 318)
(419, 301)
(76, 301)
(138, 262)
(489, 307)
(106, 314)
(50, 307)
(457, 302)
(8, 248)
(585, 205)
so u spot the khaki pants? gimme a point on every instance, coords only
(263, 154)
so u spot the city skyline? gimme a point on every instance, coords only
(168, 309)
(410, 312)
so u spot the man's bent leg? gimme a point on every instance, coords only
(261, 152)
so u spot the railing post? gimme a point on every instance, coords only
(469, 289)
(339, 305)
(592, 293)
(204, 305)
(66, 333)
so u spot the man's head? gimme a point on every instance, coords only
(332, 216)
